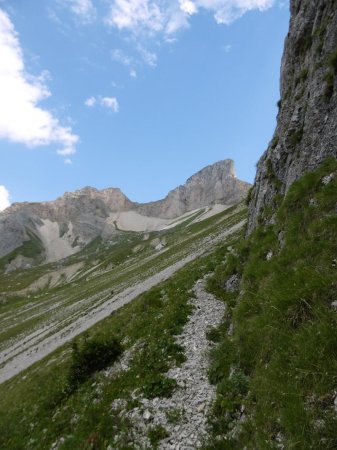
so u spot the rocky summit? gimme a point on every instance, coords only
(56, 229)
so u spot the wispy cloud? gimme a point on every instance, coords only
(4, 198)
(22, 120)
(168, 16)
(91, 101)
(84, 10)
(111, 103)
(119, 56)
(148, 57)
(108, 102)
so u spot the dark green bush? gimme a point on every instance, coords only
(159, 386)
(90, 357)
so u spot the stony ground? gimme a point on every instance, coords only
(184, 415)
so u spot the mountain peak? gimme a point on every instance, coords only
(78, 217)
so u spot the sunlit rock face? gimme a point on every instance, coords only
(307, 120)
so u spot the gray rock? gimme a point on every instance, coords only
(306, 124)
(233, 283)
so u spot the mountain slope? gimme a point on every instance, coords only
(275, 367)
(44, 307)
(62, 227)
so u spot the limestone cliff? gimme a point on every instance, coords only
(306, 131)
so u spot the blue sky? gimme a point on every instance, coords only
(136, 94)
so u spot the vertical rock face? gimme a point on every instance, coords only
(306, 131)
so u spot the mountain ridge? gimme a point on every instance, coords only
(67, 224)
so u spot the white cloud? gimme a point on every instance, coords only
(22, 120)
(68, 161)
(136, 14)
(148, 57)
(4, 198)
(83, 9)
(133, 73)
(91, 101)
(168, 16)
(67, 151)
(227, 48)
(188, 7)
(111, 103)
(119, 56)
(107, 102)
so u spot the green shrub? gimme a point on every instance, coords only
(159, 386)
(90, 357)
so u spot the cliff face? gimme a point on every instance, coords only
(306, 131)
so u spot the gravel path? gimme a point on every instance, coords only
(184, 415)
(36, 346)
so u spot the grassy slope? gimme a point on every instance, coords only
(35, 408)
(114, 267)
(276, 373)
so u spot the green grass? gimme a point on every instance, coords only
(276, 372)
(37, 408)
(112, 268)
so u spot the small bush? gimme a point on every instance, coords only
(159, 386)
(90, 357)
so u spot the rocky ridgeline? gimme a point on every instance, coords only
(67, 224)
(306, 125)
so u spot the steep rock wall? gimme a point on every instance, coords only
(306, 131)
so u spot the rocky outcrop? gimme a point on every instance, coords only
(213, 184)
(306, 131)
(64, 226)
(70, 222)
